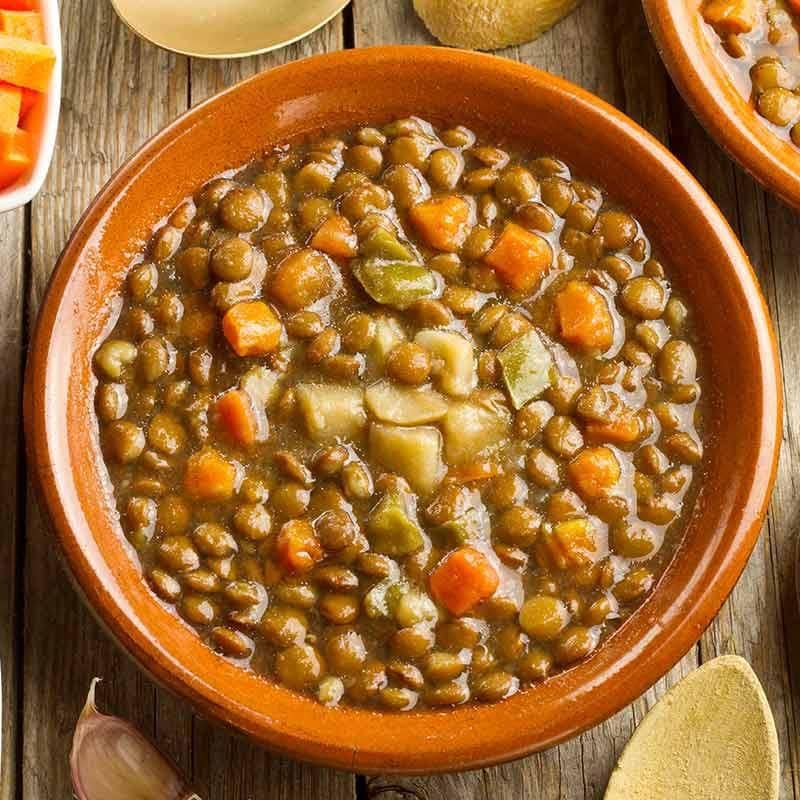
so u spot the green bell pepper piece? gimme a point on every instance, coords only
(392, 527)
(526, 365)
(384, 244)
(395, 283)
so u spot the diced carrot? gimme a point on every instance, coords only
(29, 99)
(336, 238)
(794, 6)
(521, 258)
(297, 547)
(252, 329)
(235, 413)
(583, 316)
(463, 579)
(477, 471)
(19, 5)
(731, 16)
(25, 24)
(10, 107)
(209, 476)
(25, 63)
(15, 156)
(624, 429)
(577, 540)
(443, 222)
(594, 472)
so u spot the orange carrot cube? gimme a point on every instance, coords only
(336, 238)
(443, 222)
(24, 24)
(594, 472)
(521, 258)
(624, 429)
(209, 476)
(235, 413)
(297, 547)
(252, 329)
(584, 317)
(25, 63)
(463, 579)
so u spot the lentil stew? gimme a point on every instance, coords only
(401, 418)
(759, 43)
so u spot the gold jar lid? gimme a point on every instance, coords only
(228, 29)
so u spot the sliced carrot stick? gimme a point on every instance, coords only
(731, 16)
(336, 238)
(19, 5)
(463, 579)
(521, 258)
(252, 329)
(25, 63)
(24, 24)
(209, 476)
(29, 99)
(583, 316)
(15, 156)
(443, 222)
(235, 413)
(10, 107)
(594, 472)
(624, 429)
(297, 548)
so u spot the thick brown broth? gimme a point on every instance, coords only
(398, 418)
(759, 43)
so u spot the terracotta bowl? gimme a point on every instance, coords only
(686, 46)
(507, 101)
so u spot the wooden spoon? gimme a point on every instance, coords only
(711, 737)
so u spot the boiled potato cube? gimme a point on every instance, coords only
(402, 405)
(459, 374)
(332, 412)
(413, 453)
(472, 427)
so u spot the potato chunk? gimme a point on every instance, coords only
(413, 453)
(388, 334)
(332, 412)
(459, 374)
(473, 427)
(402, 405)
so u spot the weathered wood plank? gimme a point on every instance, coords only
(755, 620)
(13, 241)
(117, 92)
(250, 771)
(601, 48)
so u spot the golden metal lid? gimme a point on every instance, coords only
(225, 28)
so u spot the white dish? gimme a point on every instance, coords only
(43, 120)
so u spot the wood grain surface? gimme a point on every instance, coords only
(118, 91)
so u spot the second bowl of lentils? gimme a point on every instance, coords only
(406, 412)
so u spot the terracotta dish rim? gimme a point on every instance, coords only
(486, 92)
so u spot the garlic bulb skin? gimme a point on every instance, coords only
(111, 758)
(491, 24)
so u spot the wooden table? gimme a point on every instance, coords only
(118, 91)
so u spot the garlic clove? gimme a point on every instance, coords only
(111, 758)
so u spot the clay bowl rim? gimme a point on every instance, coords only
(414, 743)
(704, 83)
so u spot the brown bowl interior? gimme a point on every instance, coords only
(686, 48)
(505, 101)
